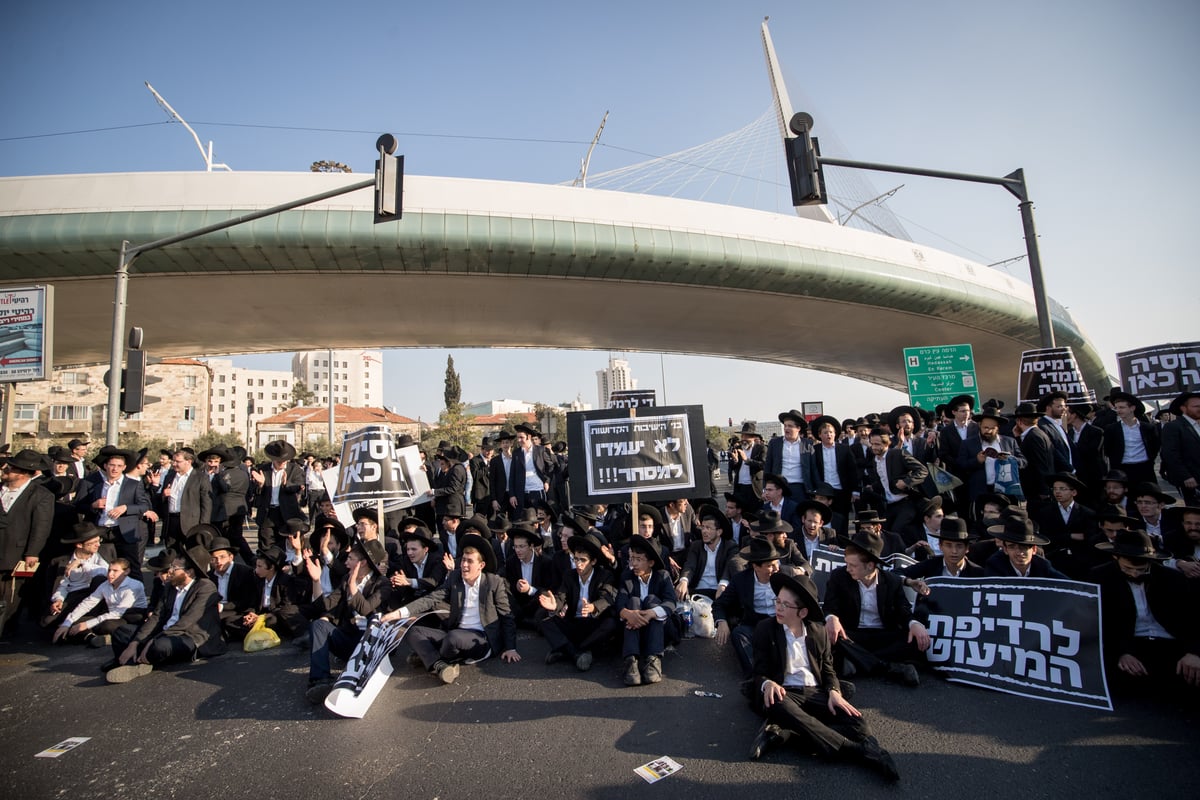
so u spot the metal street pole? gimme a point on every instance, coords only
(129, 254)
(1014, 182)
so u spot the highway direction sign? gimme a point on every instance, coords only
(936, 374)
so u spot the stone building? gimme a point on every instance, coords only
(304, 425)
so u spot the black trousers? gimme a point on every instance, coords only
(163, 649)
(873, 650)
(573, 635)
(805, 713)
(434, 644)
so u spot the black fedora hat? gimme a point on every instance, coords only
(589, 544)
(420, 534)
(1122, 396)
(1045, 400)
(771, 522)
(71, 445)
(779, 481)
(653, 513)
(220, 451)
(801, 586)
(163, 560)
(589, 513)
(528, 430)
(760, 551)
(1002, 500)
(1026, 411)
(895, 414)
(708, 511)
(199, 557)
(60, 455)
(1176, 406)
(375, 553)
(109, 451)
(823, 489)
(868, 516)
(814, 505)
(529, 534)
(1017, 530)
(479, 543)
(1114, 515)
(29, 461)
(500, 524)
(1149, 489)
(796, 417)
(1133, 544)
(1068, 479)
(816, 425)
(336, 530)
(991, 413)
(83, 532)
(221, 543)
(870, 544)
(366, 512)
(542, 505)
(959, 399)
(750, 428)
(405, 440)
(953, 529)
(650, 549)
(505, 436)
(201, 535)
(280, 450)
(1116, 476)
(273, 555)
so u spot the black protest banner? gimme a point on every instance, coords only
(659, 453)
(1161, 372)
(371, 469)
(1034, 637)
(1051, 369)
(631, 398)
(825, 561)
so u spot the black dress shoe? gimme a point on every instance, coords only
(769, 736)
(905, 674)
(110, 664)
(848, 690)
(880, 760)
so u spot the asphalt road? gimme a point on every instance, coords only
(239, 726)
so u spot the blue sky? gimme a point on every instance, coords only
(1095, 100)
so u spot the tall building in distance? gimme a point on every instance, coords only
(613, 378)
(242, 397)
(357, 376)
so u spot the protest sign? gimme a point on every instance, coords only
(1051, 369)
(1161, 372)
(1034, 637)
(372, 469)
(631, 398)
(825, 561)
(659, 453)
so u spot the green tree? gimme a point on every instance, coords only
(513, 419)
(557, 428)
(302, 395)
(453, 392)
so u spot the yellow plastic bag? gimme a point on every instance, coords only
(260, 637)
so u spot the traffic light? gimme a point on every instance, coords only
(389, 181)
(134, 381)
(804, 164)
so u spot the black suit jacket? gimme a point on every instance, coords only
(1087, 453)
(195, 508)
(25, 528)
(770, 656)
(542, 465)
(659, 593)
(1170, 598)
(229, 487)
(755, 460)
(495, 608)
(289, 493)
(950, 444)
(1180, 451)
(481, 482)
(1114, 442)
(973, 473)
(1059, 444)
(843, 600)
(899, 466)
(697, 560)
(1039, 463)
(1051, 525)
(602, 592)
(198, 620)
(241, 591)
(998, 566)
(544, 576)
(736, 603)
(132, 495)
(773, 465)
(849, 469)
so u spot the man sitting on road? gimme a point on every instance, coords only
(120, 599)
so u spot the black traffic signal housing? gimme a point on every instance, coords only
(805, 174)
(389, 181)
(134, 381)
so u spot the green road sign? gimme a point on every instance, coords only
(936, 374)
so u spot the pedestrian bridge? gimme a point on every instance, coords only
(477, 263)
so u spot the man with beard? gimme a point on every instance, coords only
(1053, 408)
(1184, 540)
(704, 566)
(1038, 451)
(979, 455)
(185, 625)
(895, 478)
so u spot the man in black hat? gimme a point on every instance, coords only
(739, 526)
(895, 478)
(1087, 450)
(185, 625)
(1151, 630)
(77, 574)
(1184, 540)
(363, 592)
(499, 468)
(1181, 447)
(274, 597)
(79, 449)
(530, 470)
(26, 516)
(450, 483)
(645, 606)
(706, 562)
(480, 622)
(747, 600)
(834, 464)
(1069, 525)
(794, 685)
(954, 541)
(230, 484)
(746, 464)
(1039, 457)
(115, 501)
(581, 614)
(1149, 502)
(981, 453)
(1132, 443)
(777, 497)
(961, 428)
(790, 456)
(421, 569)
(1115, 492)
(868, 618)
(187, 495)
(235, 585)
(119, 599)
(528, 570)
(280, 484)
(814, 530)
(905, 423)
(1053, 409)
(1019, 557)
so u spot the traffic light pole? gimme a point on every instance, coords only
(1014, 182)
(129, 254)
